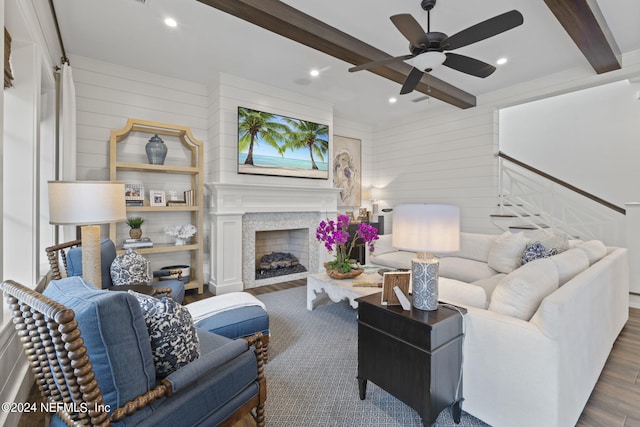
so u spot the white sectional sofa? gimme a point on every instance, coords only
(536, 336)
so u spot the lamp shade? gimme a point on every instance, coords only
(86, 202)
(426, 228)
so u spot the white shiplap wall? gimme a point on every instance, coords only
(106, 96)
(443, 157)
(226, 95)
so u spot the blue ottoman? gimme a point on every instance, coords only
(233, 315)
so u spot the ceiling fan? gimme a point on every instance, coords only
(433, 45)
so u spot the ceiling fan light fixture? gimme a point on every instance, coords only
(427, 61)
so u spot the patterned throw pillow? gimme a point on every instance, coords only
(130, 268)
(535, 251)
(174, 341)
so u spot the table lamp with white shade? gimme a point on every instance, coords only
(87, 203)
(426, 229)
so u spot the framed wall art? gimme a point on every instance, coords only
(347, 171)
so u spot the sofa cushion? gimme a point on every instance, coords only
(174, 340)
(570, 263)
(474, 246)
(461, 293)
(466, 270)
(489, 284)
(594, 249)
(397, 259)
(536, 250)
(506, 250)
(383, 245)
(557, 240)
(116, 338)
(107, 255)
(519, 293)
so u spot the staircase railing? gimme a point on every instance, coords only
(538, 200)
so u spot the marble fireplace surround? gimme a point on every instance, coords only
(235, 214)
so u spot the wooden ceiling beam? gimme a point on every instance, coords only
(583, 21)
(282, 19)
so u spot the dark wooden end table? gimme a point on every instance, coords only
(414, 355)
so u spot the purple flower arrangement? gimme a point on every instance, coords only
(335, 237)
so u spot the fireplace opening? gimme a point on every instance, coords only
(281, 252)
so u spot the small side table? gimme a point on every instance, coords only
(414, 355)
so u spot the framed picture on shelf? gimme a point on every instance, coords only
(133, 192)
(401, 279)
(157, 198)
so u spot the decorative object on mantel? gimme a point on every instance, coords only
(135, 223)
(156, 150)
(426, 229)
(335, 236)
(181, 233)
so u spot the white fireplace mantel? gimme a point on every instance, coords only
(227, 205)
(244, 198)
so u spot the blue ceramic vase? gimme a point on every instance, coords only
(156, 150)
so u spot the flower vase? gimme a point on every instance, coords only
(337, 274)
(156, 150)
(180, 241)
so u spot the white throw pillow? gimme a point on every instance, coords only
(506, 251)
(520, 293)
(570, 263)
(594, 249)
(473, 246)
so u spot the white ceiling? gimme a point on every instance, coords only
(208, 41)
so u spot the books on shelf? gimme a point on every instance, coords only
(134, 202)
(189, 197)
(176, 203)
(144, 242)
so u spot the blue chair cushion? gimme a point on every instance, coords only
(117, 343)
(107, 255)
(208, 402)
(238, 322)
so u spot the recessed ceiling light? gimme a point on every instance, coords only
(393, 100)
(314, 73)
(501, 61)
(170, 22)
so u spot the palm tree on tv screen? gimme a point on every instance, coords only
(313, 136)
(255, 126)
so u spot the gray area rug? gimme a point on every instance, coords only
(313, 362)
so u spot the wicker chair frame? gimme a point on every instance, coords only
(63, 372)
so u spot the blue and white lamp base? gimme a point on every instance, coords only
(424, 272)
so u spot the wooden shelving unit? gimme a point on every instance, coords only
(194, 171)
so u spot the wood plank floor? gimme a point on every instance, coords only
(615, 401)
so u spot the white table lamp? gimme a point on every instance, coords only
(426, 229)
(87, 203)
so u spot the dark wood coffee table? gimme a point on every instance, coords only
(414, 355)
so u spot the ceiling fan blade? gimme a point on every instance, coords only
(468, 65)
(483, 30)
(379, 63)
(412, 81)
(409, 27)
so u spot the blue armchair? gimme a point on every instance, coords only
(94, 362)
(70, 254)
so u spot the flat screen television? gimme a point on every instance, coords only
(271, 144)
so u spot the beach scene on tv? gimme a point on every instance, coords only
(270, 144)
